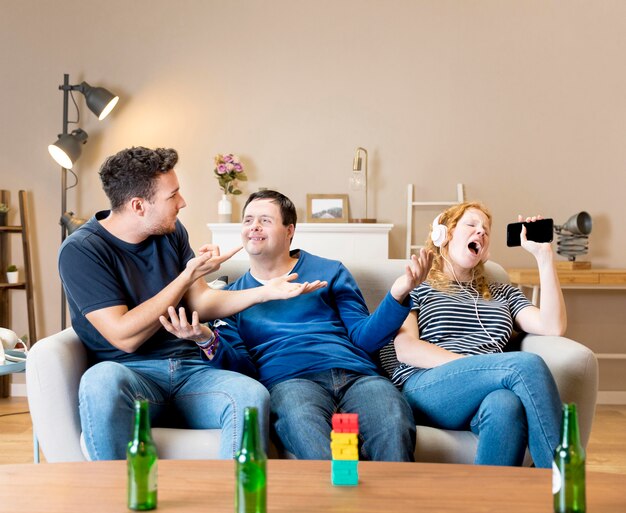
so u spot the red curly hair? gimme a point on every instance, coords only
(450, 218)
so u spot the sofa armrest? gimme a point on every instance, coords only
(54, 367)
(575, 370)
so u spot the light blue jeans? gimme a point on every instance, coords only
(509, 400)
(302, 410)
(181, 393)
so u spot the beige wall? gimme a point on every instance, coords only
(522, 101)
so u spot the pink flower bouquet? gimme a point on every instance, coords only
(228, 170)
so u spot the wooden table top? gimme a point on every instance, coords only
(300, 486)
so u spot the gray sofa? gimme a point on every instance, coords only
(56, 363)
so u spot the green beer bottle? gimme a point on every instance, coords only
(250, 468)
(568, 468)
(141, 458)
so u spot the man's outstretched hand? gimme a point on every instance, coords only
(284, 287)
(179, 326)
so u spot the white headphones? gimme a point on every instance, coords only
(473, 298)
(439, 232)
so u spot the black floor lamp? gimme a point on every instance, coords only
(66, 150)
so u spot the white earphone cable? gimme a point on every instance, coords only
(474, 299)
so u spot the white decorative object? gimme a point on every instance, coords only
(228, 170)
(340, 241)
(13, 277)
(225, 209)
(8, 338)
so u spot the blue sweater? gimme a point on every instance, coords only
(326, 329)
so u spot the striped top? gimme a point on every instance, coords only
(449, 320)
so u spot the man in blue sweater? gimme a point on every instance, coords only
(315, 353)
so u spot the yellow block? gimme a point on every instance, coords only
(344, 452)
(344, 438)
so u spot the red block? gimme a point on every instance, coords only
(346, 422)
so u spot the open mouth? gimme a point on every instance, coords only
(474, 247)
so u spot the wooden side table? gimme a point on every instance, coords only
(10, 367)
(581, 279)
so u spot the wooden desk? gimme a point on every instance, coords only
(581, 279)
(300, 486)
(571, 279)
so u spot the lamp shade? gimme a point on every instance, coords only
(578, 224)
(71, 222)
(66, 150)
(100, 101)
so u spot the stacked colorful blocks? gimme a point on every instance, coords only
(344, 445)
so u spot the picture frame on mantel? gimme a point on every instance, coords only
(327, 208)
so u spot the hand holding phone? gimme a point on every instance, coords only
(538, 231)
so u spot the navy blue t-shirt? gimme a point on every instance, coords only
(98, 270)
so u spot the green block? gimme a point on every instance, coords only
(343, 466)
(344, 479)
(344, 472)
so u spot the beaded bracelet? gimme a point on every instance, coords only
(210, 346)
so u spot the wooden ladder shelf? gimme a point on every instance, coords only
(26, 281)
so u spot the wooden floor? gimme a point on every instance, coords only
(606, 451)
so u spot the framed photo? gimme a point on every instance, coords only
(327, 208)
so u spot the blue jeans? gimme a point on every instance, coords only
(181, 393)
(302, 409)
(509, 400)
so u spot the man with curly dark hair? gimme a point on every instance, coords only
(123, 269)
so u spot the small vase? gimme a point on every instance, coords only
(13, 277)
(225, 210)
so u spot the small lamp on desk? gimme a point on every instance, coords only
(573, 240)
(358, 182)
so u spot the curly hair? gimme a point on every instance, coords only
(132, 173)
(437, 277)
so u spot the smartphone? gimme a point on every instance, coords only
(539, 231)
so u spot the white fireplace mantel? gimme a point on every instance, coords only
(340, 241)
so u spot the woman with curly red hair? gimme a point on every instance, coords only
(451, 366)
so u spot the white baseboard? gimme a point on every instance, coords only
(609, 397)
(18, 389)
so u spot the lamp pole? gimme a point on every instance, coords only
(66, 91)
